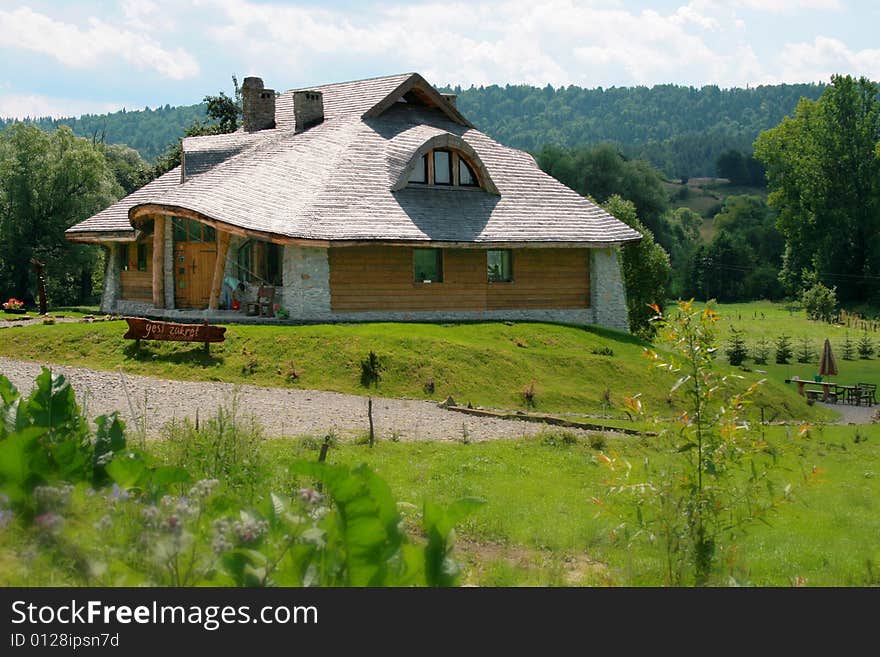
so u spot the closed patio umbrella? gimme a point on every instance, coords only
(827, 366)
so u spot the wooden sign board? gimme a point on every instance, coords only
(147, 329)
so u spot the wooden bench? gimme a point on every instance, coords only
(140, 328)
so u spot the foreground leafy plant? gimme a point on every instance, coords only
(718, 479)
(106, 515)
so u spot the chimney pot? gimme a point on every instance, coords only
(257, 105)
(308, 109)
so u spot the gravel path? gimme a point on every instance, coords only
(282, 411)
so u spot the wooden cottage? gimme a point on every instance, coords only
(366, 200)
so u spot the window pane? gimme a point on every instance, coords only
(123, 257)
(210, 234)
(142, 257)
(442, 168)
(179, 229)
(498, 264)
(244, 260)
(274, 263)
(466, 175)
(195, 231)
(420, 172)
(428, 265)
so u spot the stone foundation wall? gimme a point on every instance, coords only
(112, 278)
(608, 296)
(306, 290)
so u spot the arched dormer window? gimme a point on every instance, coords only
(446, 161)
(444, 167)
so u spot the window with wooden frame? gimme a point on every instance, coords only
(428, 265)
(135, 256)
(259, 262)
(190, 230)
(499, 266)
(444, 168)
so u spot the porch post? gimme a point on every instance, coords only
(159, 262)
(219, 268)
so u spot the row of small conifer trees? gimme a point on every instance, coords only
(783, 349)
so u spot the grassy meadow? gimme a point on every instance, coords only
(549, 515)
(485, 364)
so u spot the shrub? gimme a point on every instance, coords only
(761, 352)
(848, 349)
(866, 347)
(529, 394)
(371, 370)
(783, 350)
(603, 351)
(736, 347)
(820, 302)
(429, 387)
(715, 481)
(806, 353)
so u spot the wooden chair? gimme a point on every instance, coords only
(264, 306)
(867, 393)
(837, 394)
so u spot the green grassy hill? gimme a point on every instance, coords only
(484, 364)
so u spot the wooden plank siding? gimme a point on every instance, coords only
(138, 285)
(373, 278)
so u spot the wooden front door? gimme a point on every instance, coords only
(195, 252)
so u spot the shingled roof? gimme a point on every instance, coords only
(340, 181)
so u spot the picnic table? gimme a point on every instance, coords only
(830, 391)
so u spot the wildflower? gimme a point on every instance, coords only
(51, 498)
(310, 495)
(49, 522)
(116, 494)
(203, 488)
(248, 529)
(104, 524)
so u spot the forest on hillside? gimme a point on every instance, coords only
(680, 130)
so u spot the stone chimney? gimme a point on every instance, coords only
(257, 105)
(308, 109)
(450, 98)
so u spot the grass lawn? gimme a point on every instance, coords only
(540, 525)
(486, 364)
(763, 319)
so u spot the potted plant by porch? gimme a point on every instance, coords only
(14, 307)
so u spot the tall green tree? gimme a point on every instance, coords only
(645, 269)
(824, 175)
(48, 182)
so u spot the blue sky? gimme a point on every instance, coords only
(70, 57)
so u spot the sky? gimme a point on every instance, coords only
(64, 58)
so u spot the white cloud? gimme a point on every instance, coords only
(789, 6)
(21, 106)
(96, 46)
(823, 57)
(556, 41)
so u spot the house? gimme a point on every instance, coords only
(367, 200)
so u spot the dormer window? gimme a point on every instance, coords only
(443, 167)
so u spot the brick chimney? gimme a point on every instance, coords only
(452, 99)
(308, 109)
(257, 105)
